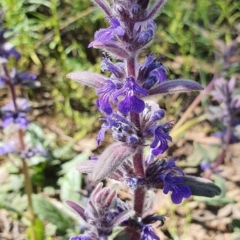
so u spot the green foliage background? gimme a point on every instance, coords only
(53, 36)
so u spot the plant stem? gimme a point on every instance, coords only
(28, 183)
(139, 193)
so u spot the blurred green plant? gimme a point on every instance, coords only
(53, 36)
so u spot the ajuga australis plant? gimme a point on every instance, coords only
(227, 114)
(136, 125)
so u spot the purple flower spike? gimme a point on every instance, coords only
(131, 103)
(105, 35)
(148, 233)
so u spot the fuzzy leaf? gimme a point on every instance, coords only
(111, 48)
(110, 198)
(104, 6)
(78, 208)
(201, 187)
(88, 78)
(176, 86)
(46, 211)
(110, 160)
(86, 167)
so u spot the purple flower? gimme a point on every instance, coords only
(205, 165)
(161, 135)
(6, 48)
(131, 103)
(22, 77)
(12, 146)
(18, 118)
(11, 115)
(171, 176)
(148, 233)
(117, 69)
(173, 183)
(164, 175)
(108, 34)
(107, 91)
(9, 147)
(122, 129)
(152, 72)
(31, 152)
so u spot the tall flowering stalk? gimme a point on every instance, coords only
(135, 126)
(13, 114)
(227, 111)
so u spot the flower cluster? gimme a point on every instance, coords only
(227, 112)
(103, 211)
(13, 114)
(135, 126)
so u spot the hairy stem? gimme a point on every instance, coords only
(28, 183)
(139, 194)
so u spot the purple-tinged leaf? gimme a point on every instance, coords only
(110, 198)
(86, 167)
(176, 86)
(79, 209)
(88, 78)
(104, 5)
(92, 211)
(111, 47)
(110, 160)
(96, 190)
(201, 187)
(155, 10)
(102, 195)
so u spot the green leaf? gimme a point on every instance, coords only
(71, 181)
(46, 211)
